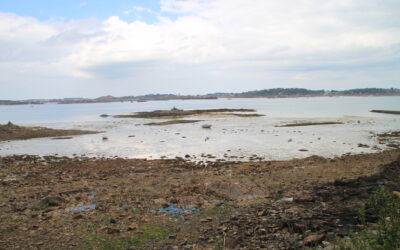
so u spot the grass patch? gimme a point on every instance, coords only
(150, 233)
(385, 233)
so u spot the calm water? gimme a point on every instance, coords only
(228, 137)
(287, 107)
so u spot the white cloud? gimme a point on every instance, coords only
(291, 41)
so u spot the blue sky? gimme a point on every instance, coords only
(46, 10)
(88, 48)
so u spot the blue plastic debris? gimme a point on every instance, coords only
(172, 209)
(83, 208)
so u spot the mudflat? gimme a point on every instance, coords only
(175, 113)
(171, 122)
(392, 112)
(301, 124)
(14, 132)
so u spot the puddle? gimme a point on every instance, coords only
(172, 209)
(91, 196)
(83, 208)
(286, 199)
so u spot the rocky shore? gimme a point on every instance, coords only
(97, 203)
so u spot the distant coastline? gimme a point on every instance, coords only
(266, 93)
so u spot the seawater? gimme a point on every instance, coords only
(229, 137)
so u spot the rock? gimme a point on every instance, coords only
(231, 242)
(48, 202)
(112, 230)
(160, 202)
(314, 239)
(262, 213)
(339, 183)
(396, 193)
(78, 216)
(132, 227)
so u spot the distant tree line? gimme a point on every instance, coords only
(270, 93)
(293, 92)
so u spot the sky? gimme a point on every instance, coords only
(56, 49)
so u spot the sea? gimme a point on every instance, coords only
(229, 138)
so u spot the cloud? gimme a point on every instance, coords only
(138, 9)
(264, 43)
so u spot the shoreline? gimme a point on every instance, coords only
(80, 202)
(139, 100)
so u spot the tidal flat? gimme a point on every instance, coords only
(11, 131)
(243, 183)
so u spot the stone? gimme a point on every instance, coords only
(262, 213)
(160, 202)
(231, 242)
(314, 239)
(47, 202)
(396, 193)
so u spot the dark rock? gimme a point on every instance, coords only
(48, 202)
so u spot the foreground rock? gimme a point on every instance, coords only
(85, 203)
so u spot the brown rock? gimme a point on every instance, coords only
(231, 242)
(262, 213)
(396, 193)
(47, 202)
(78, 216)
(112, 230)
(314, 239)
(160, 202)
